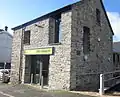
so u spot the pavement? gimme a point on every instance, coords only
(7, 90)
(29, 91)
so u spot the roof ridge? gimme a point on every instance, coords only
(6, 33)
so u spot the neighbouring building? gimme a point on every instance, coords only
(5, 49)
(69, 47)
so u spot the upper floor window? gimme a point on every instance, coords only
(98, 18)
(57, 37)
(55, 29)
(86, 40)
(27, 37)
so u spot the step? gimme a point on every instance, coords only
(105, 88)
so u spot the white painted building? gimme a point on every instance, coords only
(5, 47)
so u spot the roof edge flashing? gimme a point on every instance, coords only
(61, 10)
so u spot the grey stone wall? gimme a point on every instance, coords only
(15, 60)
(85, 73)
(66, 68)
(59, 64)
(38, 39)
(59, 70)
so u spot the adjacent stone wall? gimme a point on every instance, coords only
(85, 73)
(15, 60)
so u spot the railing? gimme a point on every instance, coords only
(108, 79)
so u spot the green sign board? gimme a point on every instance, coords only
(40, 51)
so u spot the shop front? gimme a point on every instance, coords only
(37, 66)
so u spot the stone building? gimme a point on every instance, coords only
(69, 47)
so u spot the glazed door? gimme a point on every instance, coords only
(39, 68)
(35, 70)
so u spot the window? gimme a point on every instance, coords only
(1, 65)
(27, 37)
(7, 66)
(86, 40)
(57, 29)
(114, 58)
(118, 58)
(98, 16)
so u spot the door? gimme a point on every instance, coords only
(35, 69)
(39, 68)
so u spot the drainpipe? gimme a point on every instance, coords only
(21, 56)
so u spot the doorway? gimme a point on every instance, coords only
(39, 66)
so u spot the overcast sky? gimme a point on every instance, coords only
(16, 12)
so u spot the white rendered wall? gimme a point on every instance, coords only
(5, 47)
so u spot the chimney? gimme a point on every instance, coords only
(6, 28)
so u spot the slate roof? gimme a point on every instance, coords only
(5, 32)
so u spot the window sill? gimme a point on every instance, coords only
(55, 43)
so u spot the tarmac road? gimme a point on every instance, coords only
(28, 91)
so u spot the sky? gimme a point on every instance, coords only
(16, 12)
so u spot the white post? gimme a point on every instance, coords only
(101, 91)
(42, 82)
(31, 78)
(40, 79)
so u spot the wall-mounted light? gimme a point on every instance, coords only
(109, 59)
(85, 57)
(39, 26)
(99, 39)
